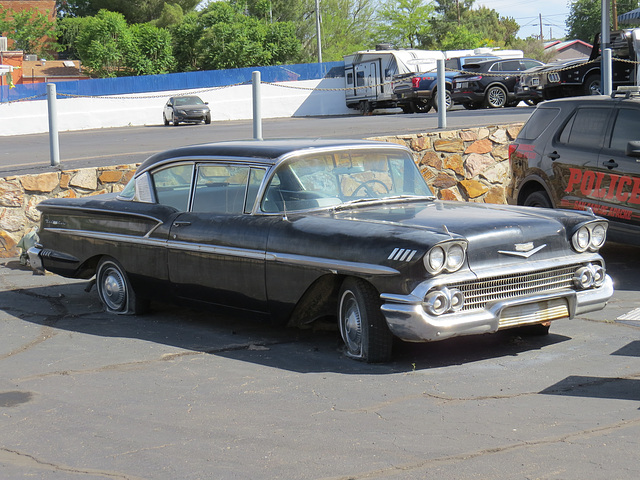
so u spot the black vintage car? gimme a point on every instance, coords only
(583, 152)
(300, 230)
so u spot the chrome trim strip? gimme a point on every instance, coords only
(107, 212)
(338, 265)
(291, 259)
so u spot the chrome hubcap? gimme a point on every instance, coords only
(351, 324)
(113, 289)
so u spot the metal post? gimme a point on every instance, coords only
(257, 113)
(318, 38)
(54, 146)
(442, 88)
(607, 81)
(605, 43)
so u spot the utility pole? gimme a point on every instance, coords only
(541, 37)
(615, 14)
(318, 31)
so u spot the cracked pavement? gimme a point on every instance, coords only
(185, 394)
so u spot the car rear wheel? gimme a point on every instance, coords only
(363, 328)
(537, 199)
(115, 291)
(495, 97)
(421, 106)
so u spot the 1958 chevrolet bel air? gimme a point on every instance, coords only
(304, 229)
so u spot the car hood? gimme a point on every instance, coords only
(491, 230)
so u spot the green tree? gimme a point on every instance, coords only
(134, 11)
(151, 50)
(458, 37)
(585, 17)
(405, 23)
(67, 34)
(31, 31)
(103, 44)
(186, 35)
(231, 39)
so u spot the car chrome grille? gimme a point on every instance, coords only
(554, 77)
(478, 293)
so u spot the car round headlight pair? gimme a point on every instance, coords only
(590, 237)
(448, 257)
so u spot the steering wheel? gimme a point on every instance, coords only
(368, 189)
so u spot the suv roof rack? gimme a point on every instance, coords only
(626, 92)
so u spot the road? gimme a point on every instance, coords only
(114, 146)
(182, 394)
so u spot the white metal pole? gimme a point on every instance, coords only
(257, 111)
(605, 43)
(54, 145)
(442, 88)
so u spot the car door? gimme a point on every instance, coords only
(574, 154)
(618, 170)
(216, 248)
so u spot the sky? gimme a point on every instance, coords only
(526, 13)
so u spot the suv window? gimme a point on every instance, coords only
(626, 129)
(538, 122)
(586, 128)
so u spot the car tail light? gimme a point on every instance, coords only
(513, 148)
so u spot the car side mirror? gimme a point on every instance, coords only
(633, 149)
(206, 103)
(169, 104)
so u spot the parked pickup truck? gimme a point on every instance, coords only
(582, 77)
(417, 93)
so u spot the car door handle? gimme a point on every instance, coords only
(181, 223)
(553, 155)
(610, 164)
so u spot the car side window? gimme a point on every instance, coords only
(220, 189)
(626, 129)
(172, 185)
(586, 128)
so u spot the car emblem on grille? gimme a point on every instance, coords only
(524, 250)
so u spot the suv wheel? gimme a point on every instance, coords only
(537, 199)
(495, 97)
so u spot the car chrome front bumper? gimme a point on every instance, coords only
(408, 320)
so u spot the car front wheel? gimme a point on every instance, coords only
(115, 291)
(363, 328)
(495, 97)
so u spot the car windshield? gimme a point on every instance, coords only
(332, 179)
(182, 101)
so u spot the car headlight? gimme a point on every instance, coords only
(447, 256)
(589, 237)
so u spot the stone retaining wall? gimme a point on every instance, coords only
(465, 165)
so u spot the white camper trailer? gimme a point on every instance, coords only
(368, 74)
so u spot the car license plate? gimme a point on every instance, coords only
(535, 81)
(532, 313)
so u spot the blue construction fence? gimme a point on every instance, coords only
(174, 81)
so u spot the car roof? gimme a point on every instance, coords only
(263, 151)
(486, 65)
(619, 97)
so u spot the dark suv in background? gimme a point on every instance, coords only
(492, 83)
(583, 152)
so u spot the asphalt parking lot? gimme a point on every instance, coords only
(182, 394)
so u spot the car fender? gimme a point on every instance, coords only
(533, 182)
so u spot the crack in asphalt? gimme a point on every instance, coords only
(566, 438)
(14, 457)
